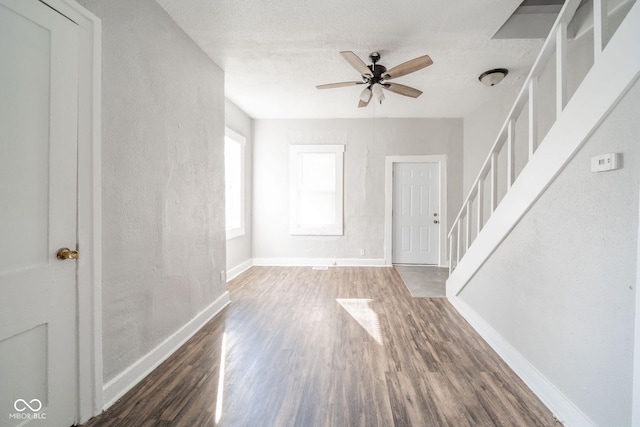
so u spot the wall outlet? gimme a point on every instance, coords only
(361, 252)
(223, 276)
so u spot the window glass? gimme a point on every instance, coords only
(316, 189)
(234, 183)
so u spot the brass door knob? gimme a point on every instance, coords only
(66, 253)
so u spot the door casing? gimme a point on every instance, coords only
(388, 203)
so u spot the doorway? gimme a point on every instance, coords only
(38, 178)
(416, 210)
(415, 233)
(50, 333)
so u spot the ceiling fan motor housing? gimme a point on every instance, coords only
(376, 70)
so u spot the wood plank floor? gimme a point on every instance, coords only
(336, 347)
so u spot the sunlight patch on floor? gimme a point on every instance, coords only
(223, 353)
(360, 310)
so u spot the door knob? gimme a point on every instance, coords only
(66, 253)
(435, 221)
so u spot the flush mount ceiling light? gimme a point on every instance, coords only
(493, 77)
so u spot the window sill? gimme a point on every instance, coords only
(234, 233)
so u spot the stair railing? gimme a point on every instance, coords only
(461, 234)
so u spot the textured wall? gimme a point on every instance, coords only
(239, 248)
(367, 142)
(162, 176)
(560, 288)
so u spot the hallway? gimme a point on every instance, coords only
(337, 347)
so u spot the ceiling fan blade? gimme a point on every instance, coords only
(362, 103)
(402, 90)
(341, 84)
(356, 63)
(408, 67)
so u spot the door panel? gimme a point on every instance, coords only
(38, 192)
(416, 191)
(25, 219)
(425, 239)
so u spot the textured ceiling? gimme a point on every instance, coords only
(275, 52)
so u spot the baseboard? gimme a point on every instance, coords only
(117, 387)
(234, 272)
(320, 262)
(562, 408)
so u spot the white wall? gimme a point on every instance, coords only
(239, 248)
(367, 142)
(561, 287)
(163, 179)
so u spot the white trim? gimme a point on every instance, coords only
(441, 159)
(635, 400)
(581, 117)
(89, 273)
(121, 384)
(558, 403)
(323, 262)
(234, 272)
(238, 138)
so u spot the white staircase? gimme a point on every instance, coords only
(493, 208)
(477, 231)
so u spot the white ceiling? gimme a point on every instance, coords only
(275, 52)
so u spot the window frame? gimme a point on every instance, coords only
(295, 151)
(230, 134)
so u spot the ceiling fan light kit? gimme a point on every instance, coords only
(365, 96)
(493, 77)
(376, 89)
(375, 76)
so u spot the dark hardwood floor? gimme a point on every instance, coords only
(336, 347)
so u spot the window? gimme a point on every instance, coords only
(234, 183)
(316, 192)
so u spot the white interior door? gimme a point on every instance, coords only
(416, 213)
(38, 181)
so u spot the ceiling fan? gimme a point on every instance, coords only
(375, 76)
